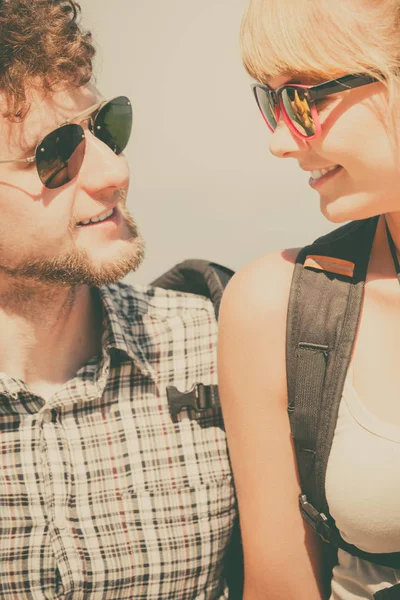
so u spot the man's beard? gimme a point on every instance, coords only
(76, 268)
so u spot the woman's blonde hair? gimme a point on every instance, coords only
(322, 39)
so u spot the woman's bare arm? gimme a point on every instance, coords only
(282, 556)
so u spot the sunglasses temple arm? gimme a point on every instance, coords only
(348, 82)
(30, 159)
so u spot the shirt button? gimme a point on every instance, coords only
(49, 415)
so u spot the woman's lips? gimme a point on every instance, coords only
(317, 183)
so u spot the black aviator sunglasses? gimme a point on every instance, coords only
(297, 103)
(59, 156)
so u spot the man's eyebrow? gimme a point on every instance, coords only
(29, 148)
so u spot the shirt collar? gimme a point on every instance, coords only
(122, 322)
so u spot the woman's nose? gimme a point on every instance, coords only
(283, 142)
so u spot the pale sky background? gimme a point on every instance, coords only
(203, 182)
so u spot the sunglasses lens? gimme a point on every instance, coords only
(60, 155)
(113, 124)
(298, 109)
(266, 106)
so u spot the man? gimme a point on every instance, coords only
(102, 494)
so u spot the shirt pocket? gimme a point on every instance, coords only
(180, 537)
(186, 454)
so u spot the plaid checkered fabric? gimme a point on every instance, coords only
(102, 495)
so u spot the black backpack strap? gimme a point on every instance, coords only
(196, 276)
(323, 315)
(208, 279)
(391, 593)
(324, 307)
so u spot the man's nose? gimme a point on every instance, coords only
(102, 168)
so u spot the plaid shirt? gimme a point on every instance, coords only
(102, 495)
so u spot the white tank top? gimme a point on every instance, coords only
(363, 493)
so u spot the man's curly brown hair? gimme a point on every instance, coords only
(41, 46)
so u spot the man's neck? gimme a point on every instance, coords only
(46, 332)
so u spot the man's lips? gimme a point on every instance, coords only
(99, 218)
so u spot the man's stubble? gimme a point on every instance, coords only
(76, 268)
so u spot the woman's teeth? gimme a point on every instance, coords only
(102, 217)
(318, 174)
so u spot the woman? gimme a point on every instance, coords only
(349, 142)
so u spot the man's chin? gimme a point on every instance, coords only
(105, 267)
(80, 267)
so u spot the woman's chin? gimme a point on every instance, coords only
(348, 208)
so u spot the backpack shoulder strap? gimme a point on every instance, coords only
(324, 308)
(196, 276)
(323, 315)
(207, 279)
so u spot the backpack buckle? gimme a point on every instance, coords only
(318, 521)
(198, 399)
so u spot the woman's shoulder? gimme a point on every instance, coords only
(260, 289)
